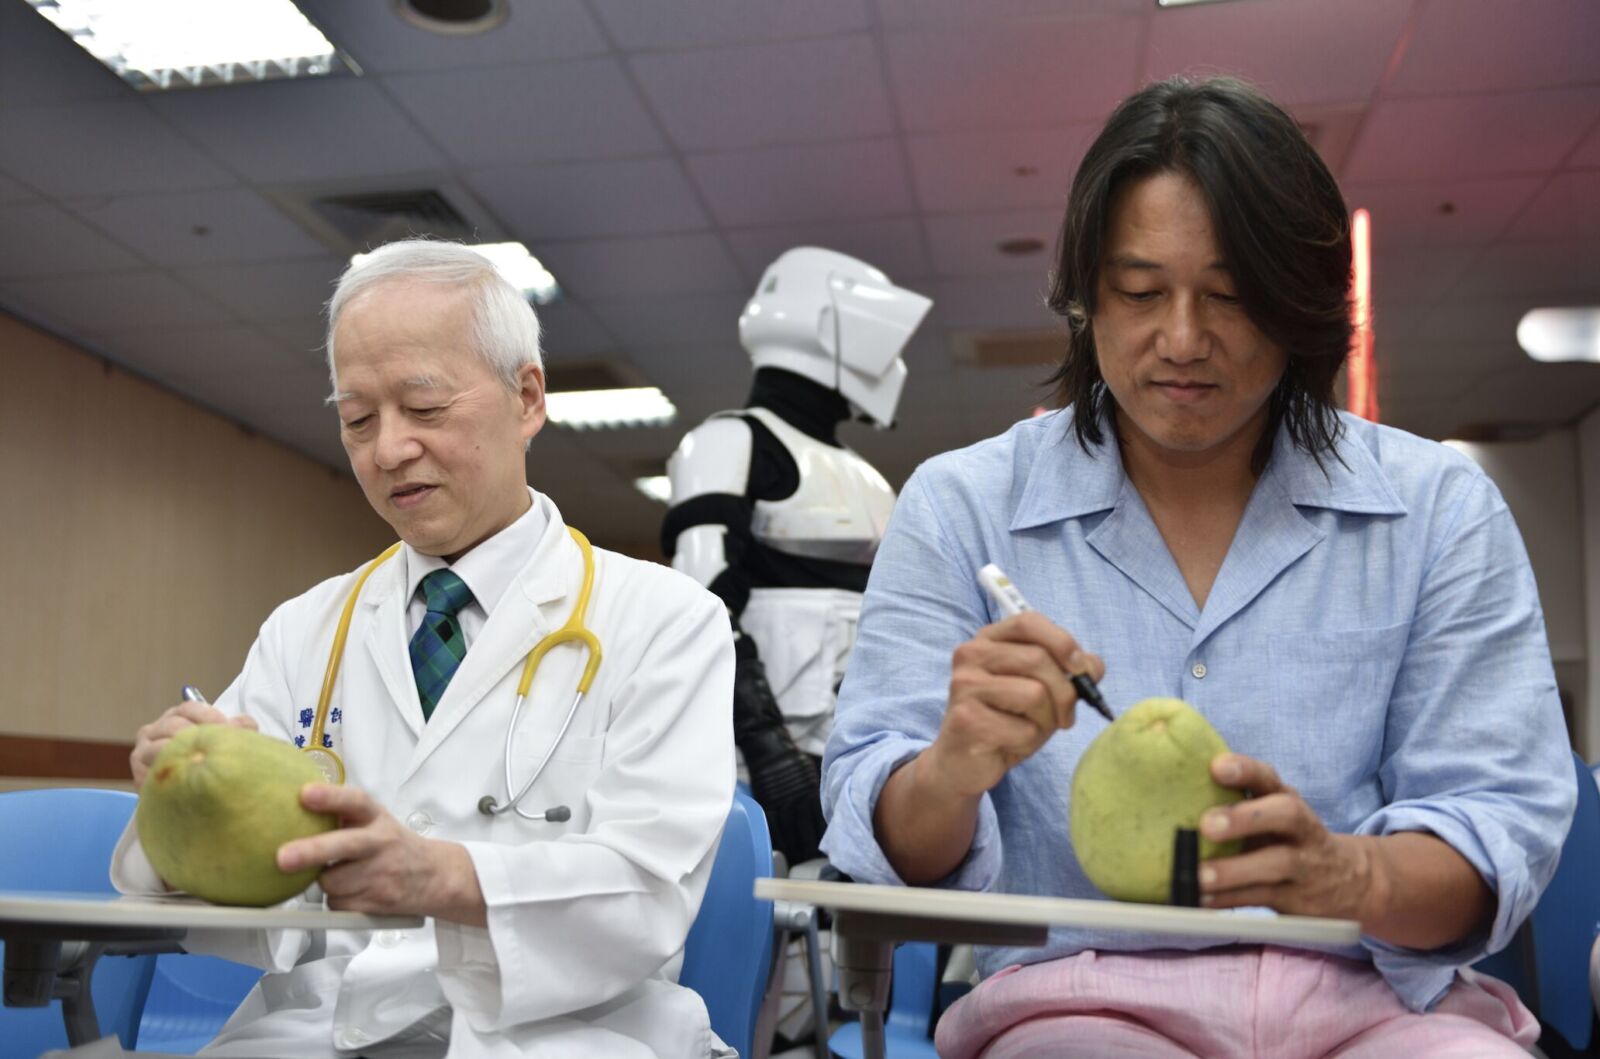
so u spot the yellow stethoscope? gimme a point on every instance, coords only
(572, 632)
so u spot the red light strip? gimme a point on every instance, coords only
(1362, 391)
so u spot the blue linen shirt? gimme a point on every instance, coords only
(1374, 633)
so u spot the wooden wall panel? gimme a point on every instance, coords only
(143, 540)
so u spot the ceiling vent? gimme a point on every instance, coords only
(1009, 349)
(353, 220)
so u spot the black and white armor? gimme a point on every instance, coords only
(776, 516)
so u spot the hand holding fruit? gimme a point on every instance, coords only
(377, 865)
(153, 736)
(1010, 691)
(1292, 862)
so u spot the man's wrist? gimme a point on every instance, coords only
(460, 897)
(1375, 871)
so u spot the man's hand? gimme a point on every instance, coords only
(1291, 862)
(153, 736)
(378, 865)
(1010, 691)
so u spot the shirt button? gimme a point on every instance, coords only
(352, 1039)
(420, 822)
(389, 938)
(1199, 670)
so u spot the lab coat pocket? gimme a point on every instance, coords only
(565, 779)
(1330, 699)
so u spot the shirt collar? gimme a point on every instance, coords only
(1065, 481)
(493, 565)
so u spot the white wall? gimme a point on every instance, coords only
(1540, 481)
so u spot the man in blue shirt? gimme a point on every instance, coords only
(1350, 606)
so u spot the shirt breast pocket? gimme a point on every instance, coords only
(1329, 702)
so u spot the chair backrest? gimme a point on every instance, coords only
(60, 839)
(727, 958)
(1548, 961)
(911, 1002)
(1567, 921)
(190, 998)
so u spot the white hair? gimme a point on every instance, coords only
(505, 329)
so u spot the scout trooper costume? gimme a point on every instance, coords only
(779, 519)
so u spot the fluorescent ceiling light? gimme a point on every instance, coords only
(656, 487)
(1561, 334)
(1184, 3)
(639, 406)
(520, 268)
(159, 44)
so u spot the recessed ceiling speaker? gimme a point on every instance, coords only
(455, 17)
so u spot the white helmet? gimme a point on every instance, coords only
(836, 321)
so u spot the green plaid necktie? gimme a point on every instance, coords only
(438, 646)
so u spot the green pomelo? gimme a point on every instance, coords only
(1145, 776)
(215, 807)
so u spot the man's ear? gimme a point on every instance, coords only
(530, 393)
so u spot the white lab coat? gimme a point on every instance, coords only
(587, 918)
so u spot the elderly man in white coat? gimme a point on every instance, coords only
(542, 938)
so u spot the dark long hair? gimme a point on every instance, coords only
(1281, 224)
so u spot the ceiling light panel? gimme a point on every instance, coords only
(161, 44)
(640, 406)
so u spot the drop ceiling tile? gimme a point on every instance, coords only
(894, 246)
(794, 92)
(12, 191)
(1054, 73)
(901, 13)
(1554, 272)
(636, 196)
(40, 64)
(1298, 51)
(822, 182)
(319, 130)
(40, 239)
(1567, 208)
(701, 319)
(1487, 45)
(114, 147)
(177, 355)
(383, 42)
(116, 301)
(269, 292)
(546, 113)
(1556, 394)
(1460, 321)
(997, 170)
(1587, 156)
(233, 224)
(1403, 279)
(995, 303)
(304, 336)
(1440, 212)
(701, 378)
(625, 268)
(967, 244)
(638, 25)
(568, 331)
(1457, 137)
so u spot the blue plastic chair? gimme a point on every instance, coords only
(190, 998)
(908, 1027)
(56, 840)
(1548, 962)
(727, 957)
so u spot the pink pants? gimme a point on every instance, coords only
(1246, 1001)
